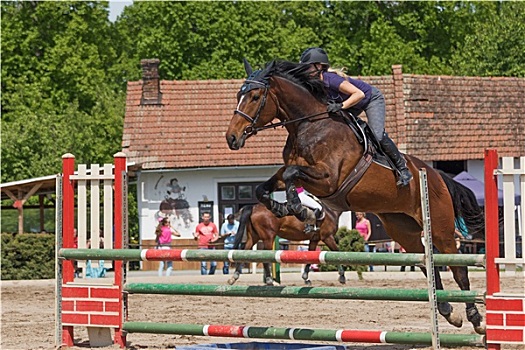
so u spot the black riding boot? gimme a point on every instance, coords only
(390, 148)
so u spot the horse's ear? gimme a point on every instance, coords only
(247, 67)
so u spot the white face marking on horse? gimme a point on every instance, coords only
(240, 101)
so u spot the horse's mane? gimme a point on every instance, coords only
(297, 73)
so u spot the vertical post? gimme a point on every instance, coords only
(429, 257)
(491, 221)
(276, 267)
(120, 169)
(491, 227)
(68, 225)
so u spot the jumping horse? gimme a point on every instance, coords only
(256, 222)
(330, 160)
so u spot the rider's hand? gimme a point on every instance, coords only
(334, 107)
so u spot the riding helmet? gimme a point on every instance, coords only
(315, 55)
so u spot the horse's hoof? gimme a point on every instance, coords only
(269, 281)
(231, 281)
(276, 284)
(481, 329)
(342, 279)
(308, 282)
(455, 319)
(476, 319)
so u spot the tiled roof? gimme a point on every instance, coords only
(457, 118)
(431, 117)
(188, 129)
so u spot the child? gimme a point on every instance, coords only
(164, 233)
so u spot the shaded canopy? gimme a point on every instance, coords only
(478, 188)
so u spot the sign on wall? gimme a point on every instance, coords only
(205, 207)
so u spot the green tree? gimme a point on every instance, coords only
(59, 93)
(495, 42)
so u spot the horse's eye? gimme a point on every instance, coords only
(256, 97)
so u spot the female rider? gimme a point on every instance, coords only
(357, 96)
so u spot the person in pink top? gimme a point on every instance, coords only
(206, 232)
(362, 225)
(165, 233)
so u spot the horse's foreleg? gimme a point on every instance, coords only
(268, 279)
(461, 277)
(304, 276)
(445, 309)
(332, 245)
(264, 190)
(236, 274)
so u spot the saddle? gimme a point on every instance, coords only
(366, 137)
(372, 153)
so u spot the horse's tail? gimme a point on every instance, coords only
(465, 206)
(244, 216)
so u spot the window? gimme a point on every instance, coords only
(228, 193)
(245, 192)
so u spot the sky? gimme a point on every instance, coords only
(116, 7)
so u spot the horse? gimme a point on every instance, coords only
(256, 223)
(330, 160)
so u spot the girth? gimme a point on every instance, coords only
(337, 200)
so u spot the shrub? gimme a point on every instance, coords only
(28, 256)
(347, 241)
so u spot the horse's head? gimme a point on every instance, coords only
(284, 90)
(252, 111)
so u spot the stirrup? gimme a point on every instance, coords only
(319, 214)
(404, 178)
(309, 228)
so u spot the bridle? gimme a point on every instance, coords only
(251, 129)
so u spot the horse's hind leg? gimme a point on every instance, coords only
(445, 309)
(461, 277)
(410, 239)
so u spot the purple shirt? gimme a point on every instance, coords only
(332, 81)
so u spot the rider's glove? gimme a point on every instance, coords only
(334, 107)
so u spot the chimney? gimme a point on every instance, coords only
(151, 94)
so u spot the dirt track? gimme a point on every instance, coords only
(28, 310)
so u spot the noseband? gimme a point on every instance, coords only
(251, 129)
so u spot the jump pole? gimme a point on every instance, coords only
(278, 256)
(309, 334)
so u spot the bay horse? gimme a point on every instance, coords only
(326, 157)
(256, 222)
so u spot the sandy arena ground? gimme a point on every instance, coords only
(28, 310)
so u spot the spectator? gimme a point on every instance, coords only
(100, 270)
(228, 230)
(78, 270)
(362, 225)
(205, 233)
(164, 234)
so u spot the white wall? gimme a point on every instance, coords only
(194, 186)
